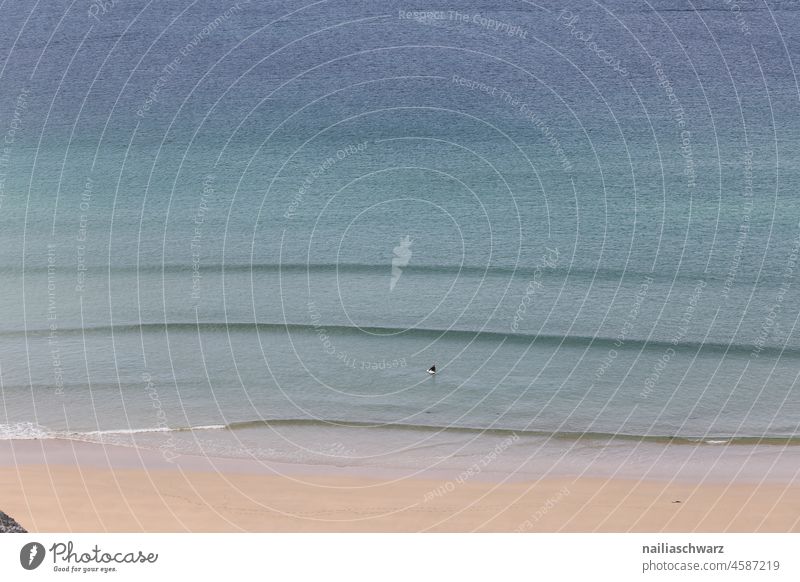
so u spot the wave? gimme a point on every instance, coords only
(523, 272)
(631, 343)
(31, 431)
(125, 431)
(25, 431)
(256, 268)
(506, 432)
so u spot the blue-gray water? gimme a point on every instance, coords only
(246, 215)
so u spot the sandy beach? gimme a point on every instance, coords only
(64, 486)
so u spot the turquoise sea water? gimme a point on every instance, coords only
(263, 222)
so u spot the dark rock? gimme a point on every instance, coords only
(8, 525)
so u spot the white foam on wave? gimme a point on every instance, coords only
(133, 431)
(130, 432)
(33, 431)
(24, 431)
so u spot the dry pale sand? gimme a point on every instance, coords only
(103, 490)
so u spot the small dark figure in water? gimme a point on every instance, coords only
(432, 370)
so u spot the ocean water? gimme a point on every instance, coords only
(247, 229)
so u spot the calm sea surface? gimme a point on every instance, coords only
(247, 229)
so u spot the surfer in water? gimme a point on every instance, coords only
(432, 370)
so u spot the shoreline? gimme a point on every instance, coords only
(485, 458)
(70, 486)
